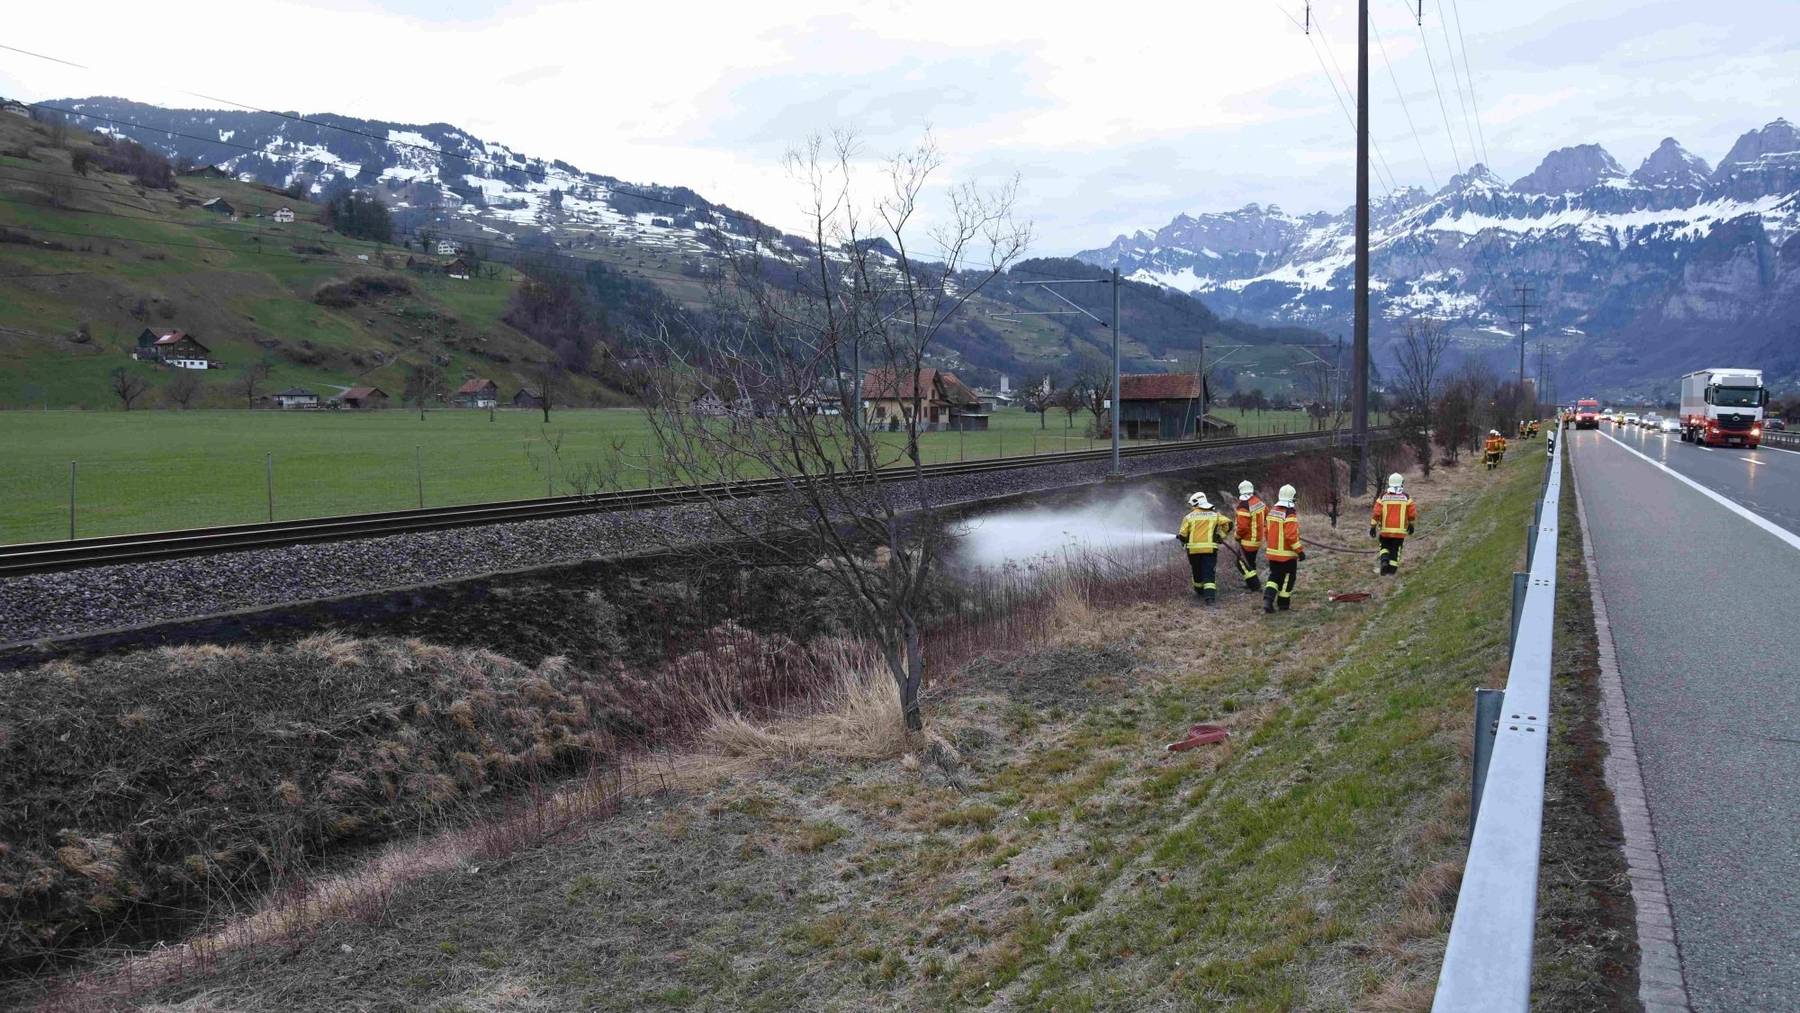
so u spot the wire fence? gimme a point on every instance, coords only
(127, 473)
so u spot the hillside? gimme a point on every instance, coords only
(655, 242)
(89, 261)
(1640, 275)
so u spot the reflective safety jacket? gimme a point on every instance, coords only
(1251, 515)
(1283, 534)
(1394, 514)
(1203, 531)
(1532, 429)
(1496, 445)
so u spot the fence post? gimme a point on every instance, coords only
(269, 482)
(419, 472)
(1521, 580)
(71, 501)
(1488, 703)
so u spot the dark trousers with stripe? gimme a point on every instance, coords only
(1247, 569)
(1279, 589)
(1493, 459)
(1206, 568)
(1390, 553)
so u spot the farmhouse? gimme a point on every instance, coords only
(283, 215)
(209, 171)
(446, 248)
(296, 397)
(364, 398)
(1162, 406)
(220, 205)
(526, 399)
(173, 349)
(458, 268)
(477, 393)
(941, 400)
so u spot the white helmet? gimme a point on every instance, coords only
(1245, 489)
(1285, 496)
(1493, 432)
(1396, 482)
(1199, 500)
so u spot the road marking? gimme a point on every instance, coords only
(1735, 507)
(1778, 450)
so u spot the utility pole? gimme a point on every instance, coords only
(1073, 310)
(1359, 355)
(1525, 306)
(1117, 392)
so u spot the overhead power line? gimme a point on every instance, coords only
(1401, 95)
(1438, 88)
(1481, 133)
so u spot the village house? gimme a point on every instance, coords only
(295, 397)
(175, 348)
(446, 248)
(363, 398)
(941, 400)
(458, 268)
(1159, 406)
(221, 206)
(477, 393)
(283, 215)
(525, 398)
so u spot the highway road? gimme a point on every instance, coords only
(1701, 600)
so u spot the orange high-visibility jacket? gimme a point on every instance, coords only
(1283, 533)
(1204, 531)
(1393, 514)
(1250, 519)
(1496, 444)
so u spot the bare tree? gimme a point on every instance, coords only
(182, 388)
(546, 380)
(1466, 399)
(252, 379)
(876, 287)
(1421, 359)
(1091, 388)
(126, 385)
(424, 383)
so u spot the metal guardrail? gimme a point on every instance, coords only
(1781, 438)
(1487, 965)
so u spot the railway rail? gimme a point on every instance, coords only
(107, 550)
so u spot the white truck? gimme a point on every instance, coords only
(1723, 406)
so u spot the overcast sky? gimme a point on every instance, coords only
(1116, 116)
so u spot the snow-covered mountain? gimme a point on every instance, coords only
(1639, 275)
(427, 173)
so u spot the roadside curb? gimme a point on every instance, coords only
(1662, 986)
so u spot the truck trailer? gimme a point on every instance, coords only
(1723, 407)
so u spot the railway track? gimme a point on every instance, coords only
(75, 553)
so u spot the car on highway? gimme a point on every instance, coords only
(1774, 425)
(1629, 419)
(1650, 420)
(1669, 425)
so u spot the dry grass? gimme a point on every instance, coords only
(856, 718)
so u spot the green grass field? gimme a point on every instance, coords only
(158, 470)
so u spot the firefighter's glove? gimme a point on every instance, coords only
(1301, 556)
(1409, 529)
(1372, 531)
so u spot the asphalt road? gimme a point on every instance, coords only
(1701, 604)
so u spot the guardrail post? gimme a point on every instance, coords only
(1531, 534)
(1521, 579)
(1488, 704)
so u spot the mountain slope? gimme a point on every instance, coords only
(1640, 276)
(444, 184)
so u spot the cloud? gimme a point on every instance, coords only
(1114, 117)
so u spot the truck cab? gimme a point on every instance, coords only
(1587, 414)
(1723, 407)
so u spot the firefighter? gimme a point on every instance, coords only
(1532, 429)
(1251, 516)
(1203, 531)
(1493, 449)
(1521, 429)
(1392, 519)
(1281, 543)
